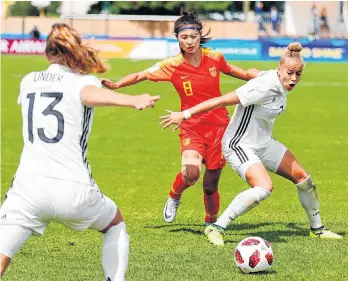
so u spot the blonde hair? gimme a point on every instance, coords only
(64, 46)
(293, 52)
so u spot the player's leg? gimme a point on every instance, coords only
(115, 249)
(290, 169)
(91, 209)
(192, 153)
(20, 216)
(214, 162)
(253, 171)
(191, 163)
(12, 238)
(211, 194)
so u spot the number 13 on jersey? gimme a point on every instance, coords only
(49, 110)
(187, 88)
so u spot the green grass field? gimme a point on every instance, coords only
(134, 163)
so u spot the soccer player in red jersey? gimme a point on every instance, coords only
(195, 74)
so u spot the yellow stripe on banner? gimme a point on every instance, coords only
(114, 49)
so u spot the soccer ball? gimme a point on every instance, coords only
(253, 254)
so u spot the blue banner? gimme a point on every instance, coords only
(330, 50)
(318, 50)
(237, 49)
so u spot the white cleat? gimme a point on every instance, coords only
(169, 211)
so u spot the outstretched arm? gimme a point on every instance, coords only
(179, 117)
(130, 79)
(240, 73)
(93, 96)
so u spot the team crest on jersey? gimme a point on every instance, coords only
(212, 71)
(186, 142)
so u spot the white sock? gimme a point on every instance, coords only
(115, 252)
(242, 203)
(310, 202)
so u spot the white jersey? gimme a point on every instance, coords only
(56, 124)
(262, 99)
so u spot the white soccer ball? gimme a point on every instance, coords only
(253, 254)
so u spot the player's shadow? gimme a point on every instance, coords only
(246, 229)
(295, 226)
(279, 236)
(267, 272)
(172, 225)
(191, 228)
(272, 235)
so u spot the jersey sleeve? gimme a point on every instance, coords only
(160, 71)
(88, 80)
(223, 65)
(85, 80)
(253, 92)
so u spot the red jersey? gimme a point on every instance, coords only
(194, 84)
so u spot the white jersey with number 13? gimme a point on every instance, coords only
(56, 124)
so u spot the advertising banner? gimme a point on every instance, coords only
(231, 49)
(330, 50)
(114, 48)
(237, 49)
(25, 46)
(318, 50)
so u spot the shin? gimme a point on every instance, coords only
(309, 200)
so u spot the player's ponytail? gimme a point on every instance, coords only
(293, 52)
(191, 18)
(64, 46)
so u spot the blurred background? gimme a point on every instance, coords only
(144, 29)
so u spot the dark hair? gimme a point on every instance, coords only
(190, 18)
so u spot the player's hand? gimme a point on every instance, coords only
(107, 83)
(172, 118)
(252, 73)
(145, 100)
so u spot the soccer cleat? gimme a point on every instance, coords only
(324, 233)
(215, 235)
(169, 211)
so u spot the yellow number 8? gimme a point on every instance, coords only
(187, 88)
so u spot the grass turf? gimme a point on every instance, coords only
(134, 163)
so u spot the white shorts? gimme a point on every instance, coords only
(243, 156)
(34, 201)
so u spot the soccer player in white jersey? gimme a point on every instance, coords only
(249, 148)
(54, 180)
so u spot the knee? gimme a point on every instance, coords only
(210, 187)
(115, 221)
(191, 174)
(265, 184)
(209, 190)
(268, 186)
(299, 176)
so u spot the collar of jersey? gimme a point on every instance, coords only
(279, 85)
(55, 66)
(185, 61)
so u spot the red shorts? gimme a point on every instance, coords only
(205, 139)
